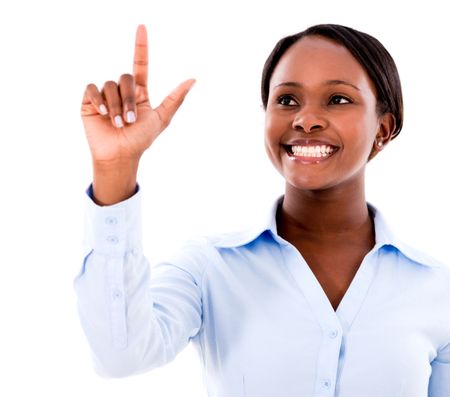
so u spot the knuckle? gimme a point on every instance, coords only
(115, 110)
(128, 102)
(110, 84)
(126, 77)
(163, 118)
(140, 62)
(91, 87)
(92, 93)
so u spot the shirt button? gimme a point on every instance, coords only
(112, 239)
(333, 334)
(111, 220)
(116, 294)
(326, 383)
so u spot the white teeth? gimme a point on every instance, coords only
(312, 151)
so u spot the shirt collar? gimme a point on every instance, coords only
(384, 235)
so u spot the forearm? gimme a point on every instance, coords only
(117, 316)
(133, 322)
(114, 302)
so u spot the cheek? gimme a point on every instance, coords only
(275, 127)
(270, 132)
(361, 135)
(273, 132)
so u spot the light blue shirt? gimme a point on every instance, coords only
(258, 317)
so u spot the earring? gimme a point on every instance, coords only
(379, 144)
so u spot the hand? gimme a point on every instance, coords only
(131, 124)
(120, 123)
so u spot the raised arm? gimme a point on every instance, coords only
(133, 322)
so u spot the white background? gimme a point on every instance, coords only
(208, 172)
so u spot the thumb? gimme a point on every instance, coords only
(173, 101)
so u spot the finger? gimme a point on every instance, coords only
(127, 93)
(140, 64)
(172, 102)
(114, 102)
(93, 97)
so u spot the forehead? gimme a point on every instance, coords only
(314, 59)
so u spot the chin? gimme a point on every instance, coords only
(308, 185)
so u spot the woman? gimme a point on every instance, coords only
(321, 298)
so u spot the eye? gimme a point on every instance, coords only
(286, 100)
(337, 100)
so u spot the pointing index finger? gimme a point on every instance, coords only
(140, 64)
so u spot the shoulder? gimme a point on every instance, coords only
(197, 253)
(421, 257)
(432, 272)
(388, 237)
(234, 239)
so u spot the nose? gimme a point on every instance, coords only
(308, 120)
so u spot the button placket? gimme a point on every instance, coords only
(116, 293)
(328, 359)
(118, 304)
(111, 220)
(328, 365)
(333, 333)
(112, 223)
(112, 238)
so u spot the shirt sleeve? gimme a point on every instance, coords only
(133, 322)
(439, 385)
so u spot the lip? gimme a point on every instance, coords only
(310, 142)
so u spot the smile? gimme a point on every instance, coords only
(310, 153)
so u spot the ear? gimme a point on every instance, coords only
(384, 134)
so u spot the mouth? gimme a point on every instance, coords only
(310, 154)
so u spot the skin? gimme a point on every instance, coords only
(324, 212)
(117, 142)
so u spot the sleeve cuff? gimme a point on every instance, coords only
(114, 229)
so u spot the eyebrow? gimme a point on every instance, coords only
(327, 82)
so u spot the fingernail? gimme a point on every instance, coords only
(131, 117)
(118, 121)
(103, 109)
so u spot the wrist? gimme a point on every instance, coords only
(114, 182)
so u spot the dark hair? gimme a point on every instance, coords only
(367, 50)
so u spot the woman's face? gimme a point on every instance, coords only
(321, 120)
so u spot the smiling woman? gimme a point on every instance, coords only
(319, 299)
(321, 146)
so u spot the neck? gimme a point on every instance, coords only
(334, 212)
